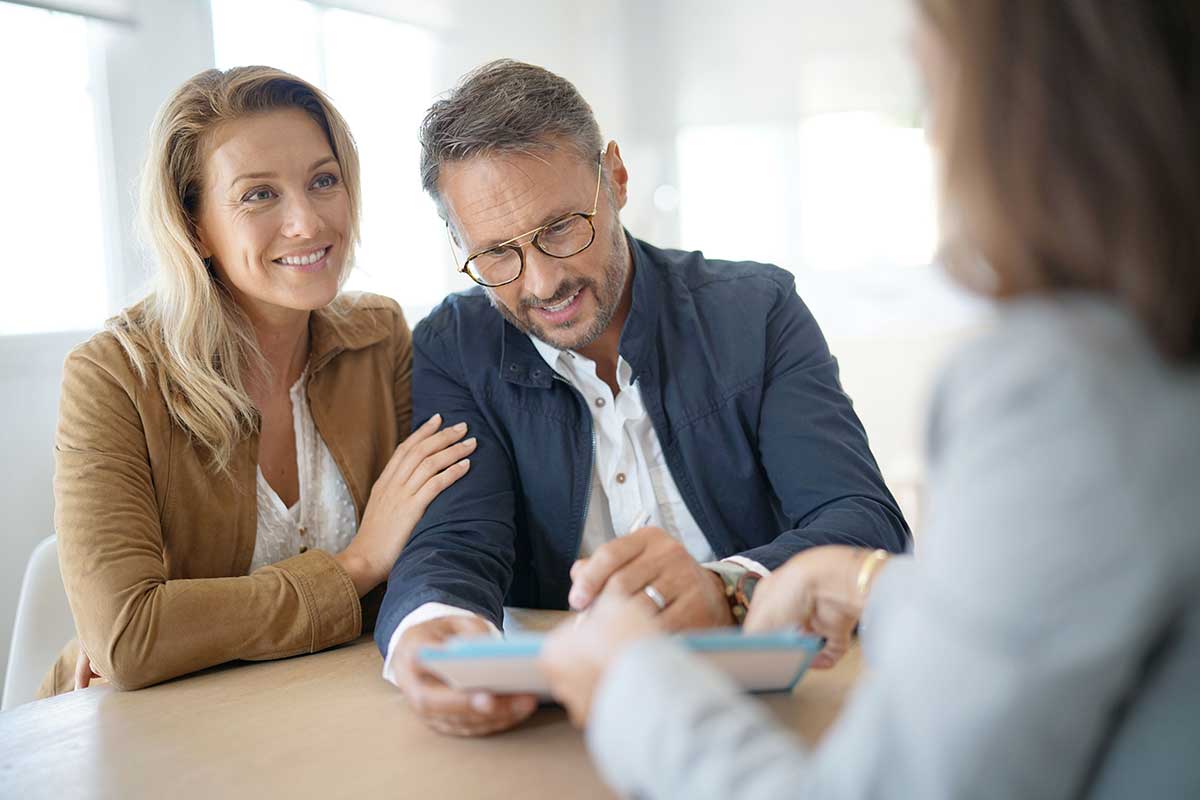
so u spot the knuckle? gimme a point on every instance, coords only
(672, 547)
(419, 702)
(447, 436)
(601, 562)
(623, 583)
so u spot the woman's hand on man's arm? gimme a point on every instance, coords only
(424, 464)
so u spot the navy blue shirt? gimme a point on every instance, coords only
(744, 397)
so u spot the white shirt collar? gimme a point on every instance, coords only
(549, 352)
(559, 361)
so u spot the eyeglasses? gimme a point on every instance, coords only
(563, 237)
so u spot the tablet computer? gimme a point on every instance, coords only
(761, 662)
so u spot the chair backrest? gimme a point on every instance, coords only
(43, 625)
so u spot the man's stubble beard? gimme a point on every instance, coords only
(607, 294)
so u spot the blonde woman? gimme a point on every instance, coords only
(232, 474)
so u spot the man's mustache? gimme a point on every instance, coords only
(564, 291)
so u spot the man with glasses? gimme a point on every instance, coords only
(648, 421)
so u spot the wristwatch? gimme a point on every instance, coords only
(739, 586)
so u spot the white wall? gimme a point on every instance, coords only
(648, 67)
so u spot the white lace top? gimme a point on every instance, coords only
(324, 516)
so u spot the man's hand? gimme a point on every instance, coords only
(448, 710)
(815, 591)
(695, 596)
(579, 651)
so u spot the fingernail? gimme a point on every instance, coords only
(577, 598)
(462, 426)
(469, 442)
(433, 419)
(481, 702)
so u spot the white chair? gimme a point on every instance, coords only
(44, 624)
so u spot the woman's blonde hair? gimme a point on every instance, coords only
(189, 328)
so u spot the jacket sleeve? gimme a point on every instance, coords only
(137, 626)
(814, 448)
(463, 549)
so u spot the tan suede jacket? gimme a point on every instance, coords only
(155, 548)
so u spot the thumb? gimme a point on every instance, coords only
(774, 610)
(467, 625)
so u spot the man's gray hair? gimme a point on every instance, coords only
(505, 106)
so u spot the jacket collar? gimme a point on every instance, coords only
(520, 362)
(334, 329)
(640, 334)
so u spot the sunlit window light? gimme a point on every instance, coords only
(840, 191)
(403, 252)
(866, 193)
(52, 195)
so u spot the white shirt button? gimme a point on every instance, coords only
(620, 477)
(599, 402)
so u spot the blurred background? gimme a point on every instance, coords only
(787, 131)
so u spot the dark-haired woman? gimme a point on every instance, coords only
(1045, 642)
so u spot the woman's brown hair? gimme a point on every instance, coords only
(1072, 150)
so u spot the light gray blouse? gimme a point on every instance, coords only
(1045, 642)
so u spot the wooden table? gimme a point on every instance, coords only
(320, 726)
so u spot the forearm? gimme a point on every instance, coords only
(362, 572)
(140, 626)
(157, 631)
(450, 569)
(862, 522)
(694, 734)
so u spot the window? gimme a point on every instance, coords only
(840, 191)
(866, 192)
(379, 74)
(51, 203)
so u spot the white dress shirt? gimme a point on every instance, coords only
(630, 478)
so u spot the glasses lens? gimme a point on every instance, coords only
(494, 267)
(566, 237)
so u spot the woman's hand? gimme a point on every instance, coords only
(579, 651)
(816, 591)
(83, 670)
(419, 470)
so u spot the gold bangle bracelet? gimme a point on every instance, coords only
(869, 565)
